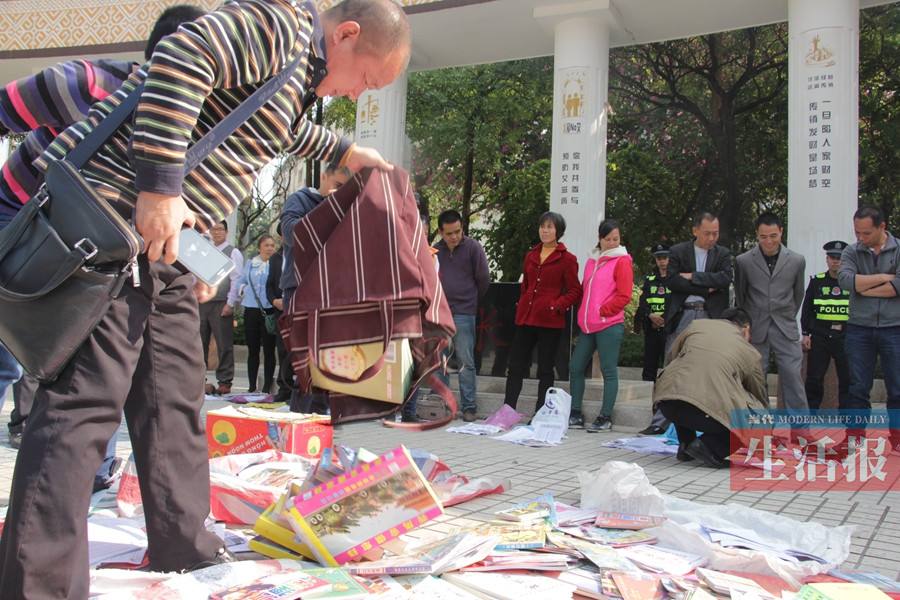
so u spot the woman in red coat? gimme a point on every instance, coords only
(549, 287)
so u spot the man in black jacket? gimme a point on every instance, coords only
(701, 273)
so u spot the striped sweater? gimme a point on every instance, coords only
(43, 105)
(197, 76)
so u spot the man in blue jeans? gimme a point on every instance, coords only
(464, 274)
(870, 269)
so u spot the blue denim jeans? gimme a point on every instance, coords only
(862, 345)
(464, 350)
(10, 370)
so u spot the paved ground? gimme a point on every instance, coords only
(535, 470)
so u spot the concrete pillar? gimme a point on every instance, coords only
(381, 121)
(823, 125)
(578, 164)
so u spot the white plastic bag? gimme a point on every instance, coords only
(551, 422)
(620, 487)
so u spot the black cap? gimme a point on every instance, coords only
(661, 249)
(834, 248)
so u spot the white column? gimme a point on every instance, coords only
(578, 165)
(381, 121)
(823, 124)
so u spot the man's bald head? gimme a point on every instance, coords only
(384, 28)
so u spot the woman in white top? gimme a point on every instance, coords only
(256, 306)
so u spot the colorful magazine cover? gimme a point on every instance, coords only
(613, 520)
(350, 515)
(539, 509)
(280, 586)
(514, 537)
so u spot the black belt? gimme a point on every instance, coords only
(694, 305)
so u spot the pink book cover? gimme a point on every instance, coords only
(354, 513)
(613, 520)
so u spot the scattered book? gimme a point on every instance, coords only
(637, 586)
(840, 591)
(665, 560)
(450, 554)
(617, 538)
(344, 586)
(612, 520)
(347, 517)
(728, 584)
(274, 526)
(528, 513)
(516, 560)
(432, 588)
(883, 583)
(514, 537)
(271, 549)
(511, 586)
(279, 586)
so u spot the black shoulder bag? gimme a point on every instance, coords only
(66, 255)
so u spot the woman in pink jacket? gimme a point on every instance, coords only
(607, 284)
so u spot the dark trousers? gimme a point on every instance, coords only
(689, 419)
(285, 369)
(524, 341)
(863, 345)
(256, 337)
(822, 351)
(213, 324)
(144, 359)
(654, 351)
(23, 398)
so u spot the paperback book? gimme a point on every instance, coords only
(457, 551)
(612, 520)
(350, 515)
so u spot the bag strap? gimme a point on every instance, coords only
(104, 130)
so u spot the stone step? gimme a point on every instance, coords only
(631, 411)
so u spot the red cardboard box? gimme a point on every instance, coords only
(242, 430)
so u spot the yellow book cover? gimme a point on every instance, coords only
(268, 548)
(271, 526)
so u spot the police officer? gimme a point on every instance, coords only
(826, 309)
(649, 318)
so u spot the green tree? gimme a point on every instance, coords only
(696, 97)
(879, 114)
(475, 131)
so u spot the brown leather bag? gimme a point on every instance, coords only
(365, 273)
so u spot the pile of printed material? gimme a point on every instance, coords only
(351, 527)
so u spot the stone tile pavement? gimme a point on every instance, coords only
(532, 471)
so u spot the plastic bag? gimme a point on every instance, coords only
(505, 417)
(551, 422)
(620, 487)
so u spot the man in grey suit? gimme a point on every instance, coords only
(769, 285)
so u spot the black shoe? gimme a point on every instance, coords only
(469, 416)
(106, 481)
(576, 420)
(652, 430)
(683, 456)
(697, 449)
(407, 418)
(221, 556)
(601, 423)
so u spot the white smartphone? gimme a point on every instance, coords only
(198, 255)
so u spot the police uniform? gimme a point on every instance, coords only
(826, 309)
(654, 294)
